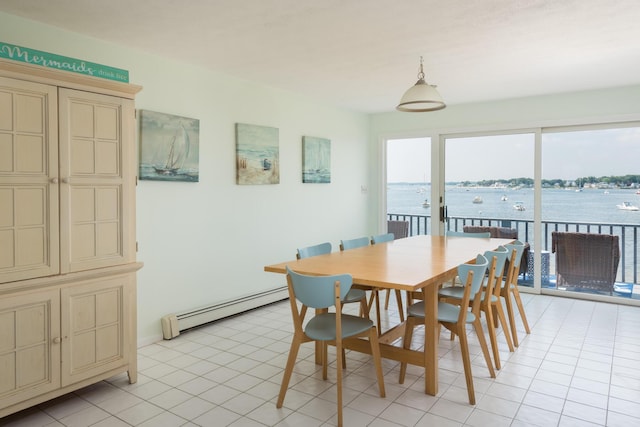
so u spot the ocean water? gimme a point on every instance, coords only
(588, 205)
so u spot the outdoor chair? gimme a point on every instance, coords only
(586, 260)
(399, 229)
(450, 233)
(455, 317)
(321, 293)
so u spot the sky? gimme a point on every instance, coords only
(566, 155)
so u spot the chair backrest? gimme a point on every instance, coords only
(514, 259)
(318, 291)
(381, 238)
(478, 269)
(321, 249)
(449, 233)
(587, 260)
(501, 255)
(399, 229)
(354, 243)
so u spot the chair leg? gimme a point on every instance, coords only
(483, 345)
(339, 353)
(516, 296)
(512, 319)
(325, 359)
(492, 335)
(399, 302)
(466, 362)
(364, 308)
(375, 353)
(406, 344)
(503, 321)
(288, 370)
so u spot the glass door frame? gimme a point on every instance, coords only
(537, 194)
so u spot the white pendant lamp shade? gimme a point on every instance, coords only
(421, 97)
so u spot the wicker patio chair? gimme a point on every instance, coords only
(586, 260)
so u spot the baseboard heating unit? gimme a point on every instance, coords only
(172, 324)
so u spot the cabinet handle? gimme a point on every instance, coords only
(65, 180)
(57, 340)
(54, 180)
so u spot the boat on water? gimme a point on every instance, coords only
(504, 198)
(519, 206)
(178, 153)
(477, 200)
(628, 206)
(426, 203)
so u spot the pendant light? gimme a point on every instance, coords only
(421, 97)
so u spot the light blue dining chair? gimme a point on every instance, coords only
(354, 243)
(455, 318)
(450, 233)
(321, 293)
(373, 299)
(510, 289)
(354, 295)
(383, 238)
(490, 303)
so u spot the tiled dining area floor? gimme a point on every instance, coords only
(579, 367)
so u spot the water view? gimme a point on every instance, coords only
(586, 205)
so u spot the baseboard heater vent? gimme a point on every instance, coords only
(172, 324)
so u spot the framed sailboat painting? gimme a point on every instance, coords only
(316, 160)
(169, 147)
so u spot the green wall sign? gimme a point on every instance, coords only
(50, 60)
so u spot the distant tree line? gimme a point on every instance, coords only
(617, 181)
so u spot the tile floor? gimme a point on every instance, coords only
(579, 367)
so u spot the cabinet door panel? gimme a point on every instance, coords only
(95, 327)
(28, 180)
(29, 358)
(97, 207)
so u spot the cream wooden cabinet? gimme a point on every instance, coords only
(67, 233)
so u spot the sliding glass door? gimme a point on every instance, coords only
(591, 184)
(489, 183)
(408, 182)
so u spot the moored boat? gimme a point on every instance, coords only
(628, 206)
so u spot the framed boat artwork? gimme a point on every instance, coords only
(316, 160)
(169, 147)
(257, 154)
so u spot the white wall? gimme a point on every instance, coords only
(207, 242)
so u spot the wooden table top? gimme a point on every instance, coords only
(407, 264)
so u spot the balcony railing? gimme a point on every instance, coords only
(627, 233)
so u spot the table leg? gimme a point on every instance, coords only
(431, 332)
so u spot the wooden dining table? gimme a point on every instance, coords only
(417, 263)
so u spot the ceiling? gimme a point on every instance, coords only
(363, 54)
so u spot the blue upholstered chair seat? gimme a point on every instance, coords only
(323, 326)
(447, 313)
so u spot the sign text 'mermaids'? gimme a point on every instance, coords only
(50, 60)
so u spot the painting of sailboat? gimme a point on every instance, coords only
(257, 154)
(169, 147)
(316, 160)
